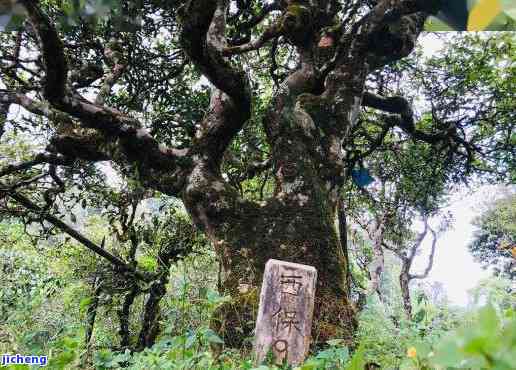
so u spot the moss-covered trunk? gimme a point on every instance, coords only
(296, 231)
(405, 289)
(298, 223)
(308, 126)
(302, 233)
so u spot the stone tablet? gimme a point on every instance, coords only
(284, 320)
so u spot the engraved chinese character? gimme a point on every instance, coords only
(290, 284)
(280, 345)
(286, 320)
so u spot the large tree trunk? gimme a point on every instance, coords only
(299, 223)
(307, 125)
(295, 229)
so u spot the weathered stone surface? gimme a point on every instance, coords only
(285, 314)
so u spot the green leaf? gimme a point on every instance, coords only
(448, 354)
(476, 345)
(312, 364)
(85, 302)
(62, 360)
(358, 359)
(147, 263)
(420, 316)
(70, 343)
(211, 337)
(408, 364)
(422, 349)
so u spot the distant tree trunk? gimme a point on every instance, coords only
(376, 230)
(406, 263)
(343, 237)
(124, 317)
(4, 110)
(91, 313)
(378, 265)
(404, 285)
(150, 325)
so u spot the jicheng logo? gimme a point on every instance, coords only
(18, 359)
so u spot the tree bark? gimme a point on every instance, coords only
(379, 260)
(299, 224)
(308, 122)
(405, 276)
(124, 317)
(4, 110)
(91, 313)
(150, 325)
(404, 285)
(289, 230)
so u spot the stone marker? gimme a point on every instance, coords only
(285, 314)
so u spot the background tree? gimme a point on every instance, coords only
(494, 242)
(300, 92)
(407, 259)
(404, 191)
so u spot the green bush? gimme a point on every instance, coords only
(486, 342)
(43, 308)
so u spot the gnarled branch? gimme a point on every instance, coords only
(270, 33)
(128, 138)
(430, 263)
(38, 159)
(27, 203)
(203, 40)
(403, 116)
(56, 68)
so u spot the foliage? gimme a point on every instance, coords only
(497, 291)
(487, 341)
(494, 243)
(492, 15)
(451, 80)
(385, 335)
(31, 290)
(189, 350)
(385, 332)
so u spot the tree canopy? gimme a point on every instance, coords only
(495, 238)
